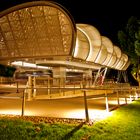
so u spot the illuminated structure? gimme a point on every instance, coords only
(44, 33)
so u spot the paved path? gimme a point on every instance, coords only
(62, 107)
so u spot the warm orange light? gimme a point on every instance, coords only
(16, 112)
(31, 65)
(10, 112)
(93, 114)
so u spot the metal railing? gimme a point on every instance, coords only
(125, 92)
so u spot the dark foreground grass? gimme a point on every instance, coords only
(124, 124)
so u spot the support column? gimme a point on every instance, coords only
(59, 76)
(86, 107)
(96, 77)
(100, 76)
(30, 88)
(106, 100)
(105, 71)
(34, 86)
(87, 76)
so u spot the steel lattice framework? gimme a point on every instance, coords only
(43, 29)
(35, 29)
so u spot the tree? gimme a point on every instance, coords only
(129, 39)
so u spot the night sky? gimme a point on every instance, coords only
(106, 15)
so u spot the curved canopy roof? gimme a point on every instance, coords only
(109, 45)
(94, 39)
(118, 55)
(82, 48)
(93, 47)
(43, 29)
(36, 29)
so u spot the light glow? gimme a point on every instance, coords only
(10, 112)
(74, 70)
(76, 48)
(93, 114)
(98, 57)
(16, 112)
(89, 58)
(30, 65)
(76, 114)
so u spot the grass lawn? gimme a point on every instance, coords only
(124, 124)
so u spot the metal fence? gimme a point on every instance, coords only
(120, 94)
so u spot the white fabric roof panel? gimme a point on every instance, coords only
(94, 38)
(96, 48)
(122, 62)
(112, 60)
(102, 55)
(118, 54)
(109, 45)
(82, 47)
(126, 65)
